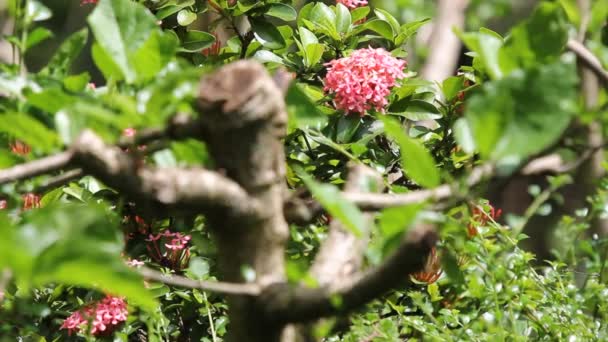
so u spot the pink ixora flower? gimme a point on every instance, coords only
(170, 249)
(105, 316)
(352, 3)
(363, 80)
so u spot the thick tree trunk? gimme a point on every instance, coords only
(244, 116)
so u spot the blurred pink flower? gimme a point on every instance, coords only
(352, 3)
(20, 148)
(129, 132)
(3, 204)
(134, 262)
(363, 80)
(31, 201)
(86, 2)
(105, 316)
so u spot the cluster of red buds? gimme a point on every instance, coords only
(214, 49)
(20, 148)
(31, 201)
(432, 269)
(481, 218)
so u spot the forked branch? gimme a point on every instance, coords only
(286, 304)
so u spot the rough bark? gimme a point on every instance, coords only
(244, 113)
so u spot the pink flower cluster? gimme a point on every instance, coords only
(105, 317)
(170, 249)
(352, 3)
(363, 80)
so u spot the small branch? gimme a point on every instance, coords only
(380, 201)
(341, 253)
(180, 126)
(193, 189)
(60, 180)
(35, 168)
(282, 303)
(211, 286)
(588, 59)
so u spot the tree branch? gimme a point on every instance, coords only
(588, 59)
(36, 167)
(180, 126)
(285, 304)
(380, 201)
(341, 254)
(244, 289)
(193, 189)
(444, 46)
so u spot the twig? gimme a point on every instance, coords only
(36, 167)
(379, 201)
(181, 126)
(589, 59)
(211, 286)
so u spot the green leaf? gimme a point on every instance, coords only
(416, 161)
(359, 13)
(346, 128)
(166, 11)
(322, 16)
(415, 110)
(199, 268)
(409, 29)
(36, 11)
(154, 55)
(29, 130)
(540, 39)
(314, 53)
(381, 27)
(185, 17)
(267, 34)
(307, 37)
(343, 18)
(51, 100)
(68, 243)
(194, 41)
(301, 110)
(106, 64)
(330, 198)
(395, 221)
(282, 11)
(121, 28)
(38, 35)
(76, 83)
(451, 86)
(487, 47)
(266, 56)
(67, 53)
(523, 113)
(386, 16)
